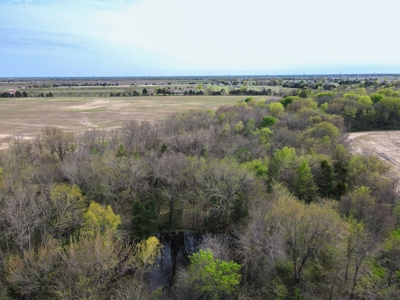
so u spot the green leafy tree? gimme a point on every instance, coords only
(250, 126)
(264, 136)
(239, 127)
(326, 185)
(259, 167)
(121, 152)
(304, 93)
(287, 100)
(324, 106)
(376, 97)
(267, 121)
(226, 131)
(305, 185)
(276, 109)
(249, 100)
(391, 258)
(358, 204)
(144, 221)
(283, 164)
(324, 129)
(212, 278)
(365, 101)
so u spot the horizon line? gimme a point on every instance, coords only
(221, 75)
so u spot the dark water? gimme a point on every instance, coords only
(177, 246)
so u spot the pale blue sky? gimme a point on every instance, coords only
(197, 37)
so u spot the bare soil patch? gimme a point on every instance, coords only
(385, 144)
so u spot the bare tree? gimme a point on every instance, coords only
(135, 136)
(56, 141)
(20, 215)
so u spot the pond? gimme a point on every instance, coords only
(177, 246)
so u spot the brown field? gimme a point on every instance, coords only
(26, 117)
(385, 144)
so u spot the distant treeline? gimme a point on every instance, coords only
(17, 94)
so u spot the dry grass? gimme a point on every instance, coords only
(26, 117)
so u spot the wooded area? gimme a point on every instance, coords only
(285, 210)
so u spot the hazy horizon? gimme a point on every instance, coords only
(154, 38)
(205, 76)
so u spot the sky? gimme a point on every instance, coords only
(62, 38)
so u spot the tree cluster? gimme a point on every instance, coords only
(17, 94)
(378, 110)
(193, 93)
(244, 91)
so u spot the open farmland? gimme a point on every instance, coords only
(385, 144)
(26, 117)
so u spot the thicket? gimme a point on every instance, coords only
(362, 111)
(293, 215)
